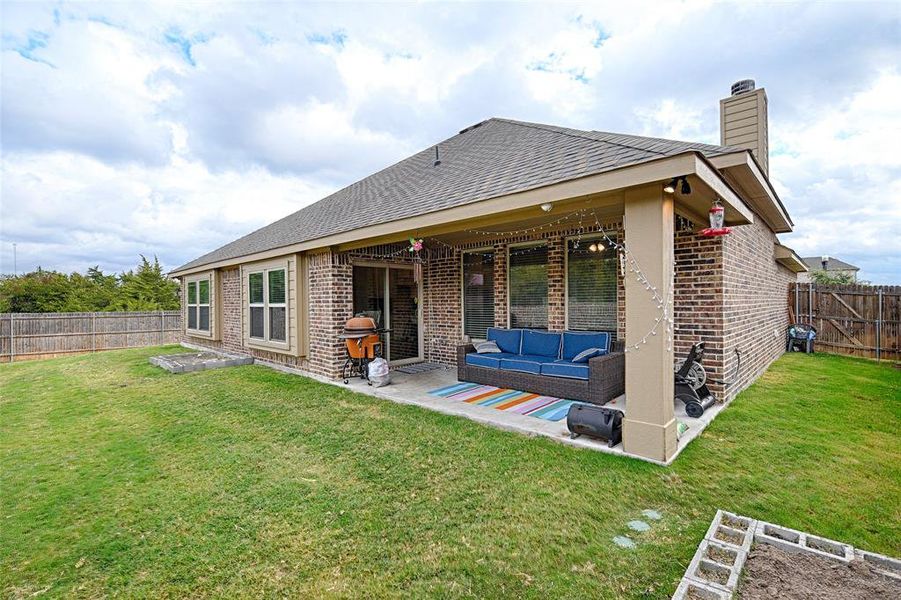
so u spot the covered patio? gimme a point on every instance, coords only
(630, 218)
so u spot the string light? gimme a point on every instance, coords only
(662, 299)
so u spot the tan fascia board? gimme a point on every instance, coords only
(788, 258)
(657, 170)
(744, 158)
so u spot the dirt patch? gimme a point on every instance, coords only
(771, 572)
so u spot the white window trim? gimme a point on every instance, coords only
(491, 249)
(196, 279)
(590, 237)
(265, 342)
(520, 245)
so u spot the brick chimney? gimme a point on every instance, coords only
(743, 121)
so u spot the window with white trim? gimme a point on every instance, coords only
(198, 305)
(267, 297)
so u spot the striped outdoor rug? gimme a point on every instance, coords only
(524, 403)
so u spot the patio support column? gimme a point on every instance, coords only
(649, 428)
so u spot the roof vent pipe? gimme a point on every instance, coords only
(437, 159)
(742, 87)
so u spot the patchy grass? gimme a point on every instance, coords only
(120, 479)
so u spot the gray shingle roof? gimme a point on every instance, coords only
(815, 263)
(492, 158)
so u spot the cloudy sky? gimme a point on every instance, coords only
(172, 128)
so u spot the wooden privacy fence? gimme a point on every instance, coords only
(42, 335)
(858, 320)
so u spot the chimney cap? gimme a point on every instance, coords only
(742, 86)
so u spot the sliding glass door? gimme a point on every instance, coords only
(389, 295)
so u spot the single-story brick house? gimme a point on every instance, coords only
(516, 220)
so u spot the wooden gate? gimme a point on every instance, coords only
(858, 320)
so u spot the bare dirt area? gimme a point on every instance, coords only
(771, 572)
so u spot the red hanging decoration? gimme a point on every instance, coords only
(717, 218)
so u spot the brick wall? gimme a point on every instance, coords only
(698, 300)
(730, 293)
(755, 312)
(441, 310)
(556, 283)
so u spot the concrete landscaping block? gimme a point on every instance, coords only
(721, 556)
(885, 564)
(690, 589)
(717, 565)
(198, 361)
(732, 530)
(792, 540)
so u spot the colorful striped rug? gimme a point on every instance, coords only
(548, 408)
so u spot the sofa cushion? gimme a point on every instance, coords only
(584, 355)
(487, 348)
(575, 342)
(541, 343)
(508, 340)
(528, 363)
(565, 368)
(492, 361)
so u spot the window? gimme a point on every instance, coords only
(478, 293)
(528, 287)
(267, 299)
(591, 285)
(199, 305)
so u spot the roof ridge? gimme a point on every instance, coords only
(663, 139)
(555, 129)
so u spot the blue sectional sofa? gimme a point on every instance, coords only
(543, 362)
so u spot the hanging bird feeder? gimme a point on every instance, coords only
(717, 218)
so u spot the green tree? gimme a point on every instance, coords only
(38, 291)
(147, 288)
(831, 278)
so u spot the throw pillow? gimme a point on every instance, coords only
(487, 348)
(584, 355)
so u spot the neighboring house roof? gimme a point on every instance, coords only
(490, 159)
(815, 263)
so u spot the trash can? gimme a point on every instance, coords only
(800, 338)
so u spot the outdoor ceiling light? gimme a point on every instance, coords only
(593, 247)
(670, 188)
(547, 206)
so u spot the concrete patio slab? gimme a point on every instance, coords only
(414, 389)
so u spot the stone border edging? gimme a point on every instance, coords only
(731, 536)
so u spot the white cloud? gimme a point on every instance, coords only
(171, 129)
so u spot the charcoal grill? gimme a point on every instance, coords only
(363, 344)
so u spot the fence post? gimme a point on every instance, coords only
(797, 305)
(12, 337)
(879, 325)
(161, 327)
(93, 332)
(810, 303)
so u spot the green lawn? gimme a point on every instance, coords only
(120, 479)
